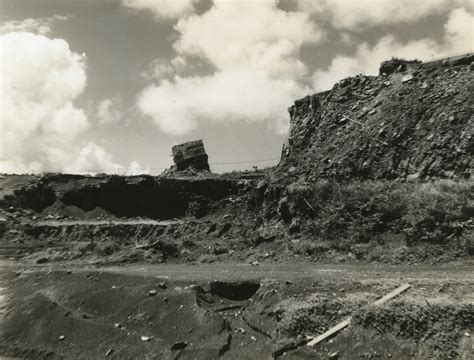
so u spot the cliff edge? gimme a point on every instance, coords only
(413, 120)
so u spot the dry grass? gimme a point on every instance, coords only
(341, 215)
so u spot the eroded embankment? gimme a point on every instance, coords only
(248, 220)
(139, 196)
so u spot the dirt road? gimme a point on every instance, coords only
(233, 311)
(208, 272)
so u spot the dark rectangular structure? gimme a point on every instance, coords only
(190, 154)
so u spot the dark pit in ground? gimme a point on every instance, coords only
(236, 291)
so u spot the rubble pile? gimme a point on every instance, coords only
(412, 121)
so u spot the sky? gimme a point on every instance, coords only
(110, 86)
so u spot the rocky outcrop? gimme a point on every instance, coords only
(414, 120)
(190, 155)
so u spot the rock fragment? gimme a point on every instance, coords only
(179, 345)
(190, 155)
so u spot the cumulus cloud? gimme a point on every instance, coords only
(248, 35)
(162, 9)
(458, 38)
(92, 158)
(41, 127)
(160, 69)
(41, 26)
(108, 111)
(358, 15)
(227, 96)
(135, 169)
(254, 49)
(459, 31)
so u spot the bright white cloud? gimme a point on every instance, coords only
(458, 39)
(254, 48)
(41, 127)
(358, 15)
(67, 121)
(93, 159)
(162, 9)
(367, 59)
(135, 169)
(248, 35)
(108, 111)
(459, 31)
(41, 26)
(228, 96)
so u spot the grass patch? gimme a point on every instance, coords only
(385, 213)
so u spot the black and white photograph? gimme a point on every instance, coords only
(237, 179)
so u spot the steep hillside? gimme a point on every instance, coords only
(414, 120)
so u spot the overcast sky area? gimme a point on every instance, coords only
(111, 85)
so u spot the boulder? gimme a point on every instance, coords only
(190, 155)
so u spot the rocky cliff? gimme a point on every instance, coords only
(413, 120)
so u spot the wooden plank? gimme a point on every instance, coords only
(346, 322)
(392, 294)
(330, 332)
